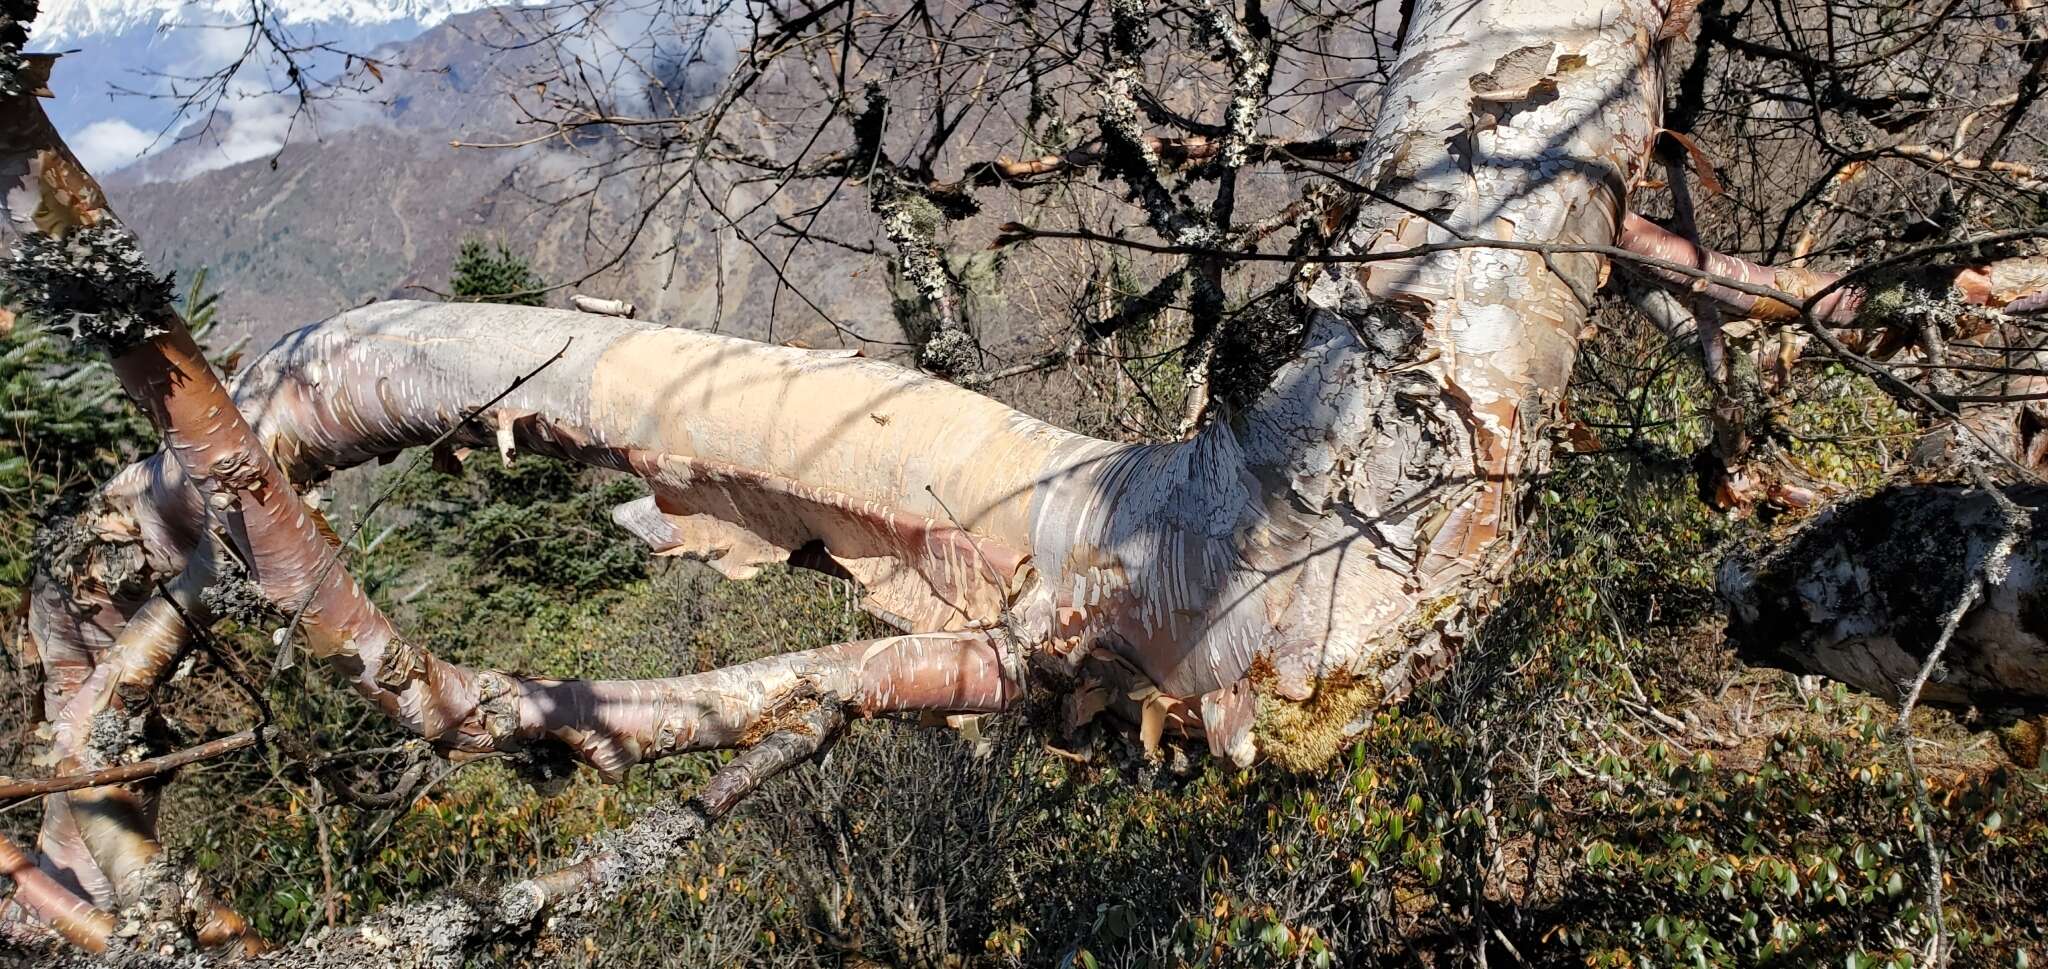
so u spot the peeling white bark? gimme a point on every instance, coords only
(1342, 527)
(1334, 535)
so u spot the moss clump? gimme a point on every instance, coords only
(2026, 742)
(1883, 303)
(1302, 736)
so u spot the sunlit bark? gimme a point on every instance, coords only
(1267, 583)
(1378, 480)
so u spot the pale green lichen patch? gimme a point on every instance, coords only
(1897, 302)
(92, 281)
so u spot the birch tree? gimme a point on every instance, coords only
(1304, 556)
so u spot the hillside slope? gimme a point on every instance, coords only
(374, 202)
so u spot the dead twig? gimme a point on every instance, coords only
(128, 773)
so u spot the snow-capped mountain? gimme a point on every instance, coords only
(117, 84)
(68, 22)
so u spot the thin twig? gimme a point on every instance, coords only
(125, 773)
(1989, 572)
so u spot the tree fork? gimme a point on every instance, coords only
(1316, 538)
(243, 489)
(1323, 550)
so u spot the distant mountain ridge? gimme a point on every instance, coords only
(67, 22)
(128, 60)
(375, 205)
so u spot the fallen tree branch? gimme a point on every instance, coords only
(1783, 294)
(2024, 175)
(125, 773)
(284, 648)
(649, 844)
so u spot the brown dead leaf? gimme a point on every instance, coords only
(321, 525)
(1582, 439)
(1702, 166)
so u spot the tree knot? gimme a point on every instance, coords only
(497, 708)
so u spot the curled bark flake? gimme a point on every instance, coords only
(922, 574)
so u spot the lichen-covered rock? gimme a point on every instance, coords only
(1861, 593)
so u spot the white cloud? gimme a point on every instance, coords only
(106, 145)
(250, 124)
(253, 117)
(648, 55)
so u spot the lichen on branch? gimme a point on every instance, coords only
(92, 281)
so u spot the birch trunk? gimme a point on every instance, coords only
(1330, 543)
